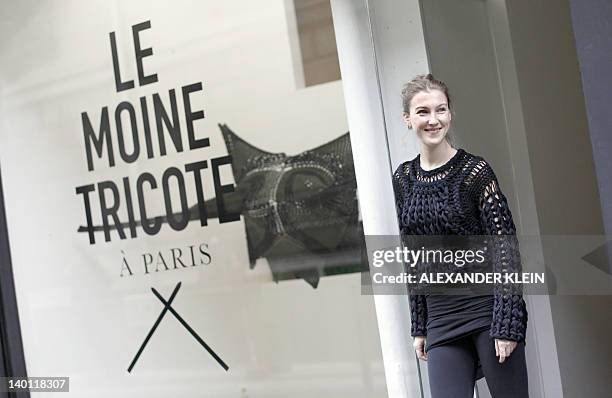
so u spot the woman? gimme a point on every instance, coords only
(448, 191)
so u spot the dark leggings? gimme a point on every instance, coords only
(452, 368)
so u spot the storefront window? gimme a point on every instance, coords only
(183, 218)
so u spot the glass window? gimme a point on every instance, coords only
(314, 51)
(183, 219)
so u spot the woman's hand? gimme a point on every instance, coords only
(503, 349)
(419, 347)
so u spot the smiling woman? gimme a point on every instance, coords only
(448, 191)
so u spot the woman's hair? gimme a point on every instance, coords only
(422, 83)
(425, 83)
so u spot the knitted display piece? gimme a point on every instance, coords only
(300, 212)
(462, 197)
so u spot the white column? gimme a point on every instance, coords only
(366, 120)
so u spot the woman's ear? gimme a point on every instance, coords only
(406, 118)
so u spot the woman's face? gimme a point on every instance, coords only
(429, 117)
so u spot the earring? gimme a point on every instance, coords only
(410, 126)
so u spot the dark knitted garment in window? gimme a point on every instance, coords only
(461, 197)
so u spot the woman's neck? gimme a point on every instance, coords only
(432, 157)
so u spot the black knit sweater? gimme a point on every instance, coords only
(462, 197)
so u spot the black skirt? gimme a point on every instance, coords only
(453, 317)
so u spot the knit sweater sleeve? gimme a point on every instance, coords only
(509, 310)
(418, 305)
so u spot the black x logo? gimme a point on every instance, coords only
(168, 307)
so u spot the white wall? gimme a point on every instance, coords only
(564, 179)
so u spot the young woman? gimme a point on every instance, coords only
(448, 191)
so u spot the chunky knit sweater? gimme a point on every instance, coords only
(462, 197)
